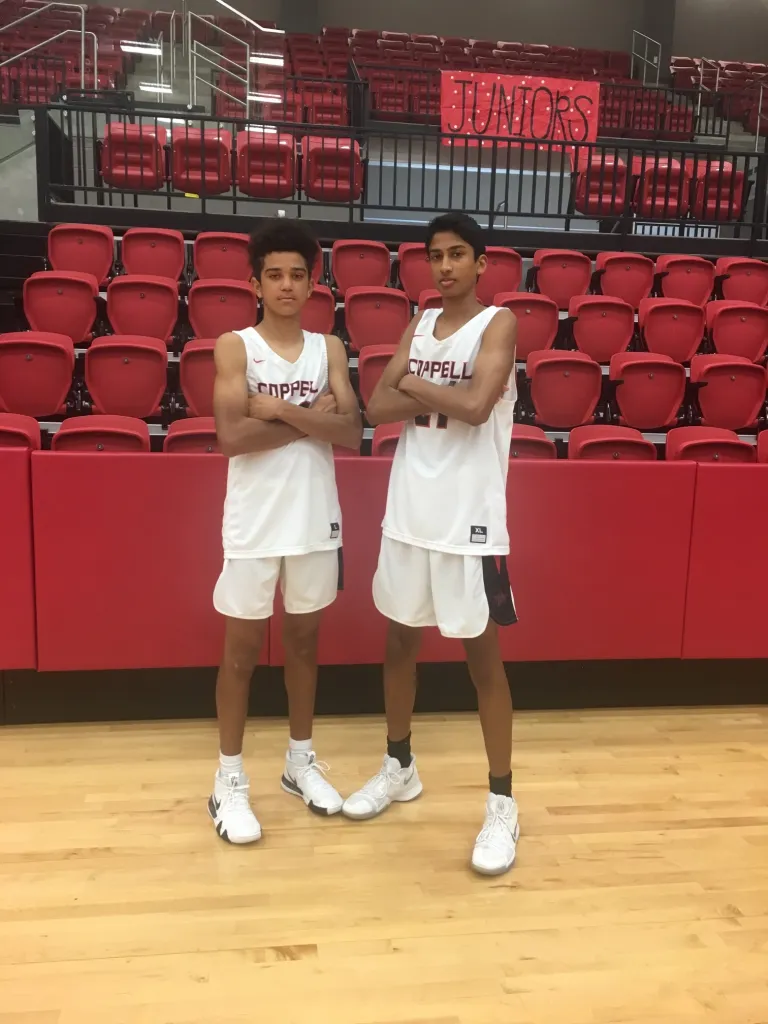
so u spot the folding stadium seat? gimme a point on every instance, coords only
(86, 248)
(560, 274)
(142, 304)
(738, 328)
(565, 387)
(133, 156)
(385, 438)
(762, 446)
(99, 433)
(503, 273)
(531, 443)
(217, 306)
(266, 163)
(126, 375)
(197, 373)
(649, 389)
(672, 327)
(196, 436)
(201, 161)
(332, 169)
(159, 252)
(662, 189)
(430, 298)
(35, 372)
(537, 320)
(371, 364)
(610, 444)
(626, 275)
(375, 316)
(414, 270)
(19, 431)
(685, 277)
(222, 255)
(357, 262)
(743, 279)
(708, 444)
(61, 303)
(731, 390)
(601, 186)
(319, 314)
(602, 325)
(718, 191)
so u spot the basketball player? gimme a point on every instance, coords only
(444, 543)
(282, 399)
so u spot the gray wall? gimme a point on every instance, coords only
(722, 29)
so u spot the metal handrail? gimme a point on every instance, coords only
(195, 78)
(261, 28)
(65, 6)
(47, 42)
(192, 52)
(643, 58)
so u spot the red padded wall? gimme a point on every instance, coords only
(17, 588)
(728, 575)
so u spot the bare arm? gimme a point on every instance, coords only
(474, 402)
(344, 426)
(387, 404)
(237, 433)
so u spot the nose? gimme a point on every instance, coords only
(445, 267)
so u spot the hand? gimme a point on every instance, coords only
(325, 403)
(264, 407)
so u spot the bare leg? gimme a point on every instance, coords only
(403, 644)
(300, 642)
(243, 641)
(494, 700)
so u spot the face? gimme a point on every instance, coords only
(454, 267)
(285, 283)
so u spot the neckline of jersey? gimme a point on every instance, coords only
(441, 341)
(289, 362)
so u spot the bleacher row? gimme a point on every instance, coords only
(739, 81)
(627, 346)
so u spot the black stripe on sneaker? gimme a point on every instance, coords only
(290, 784)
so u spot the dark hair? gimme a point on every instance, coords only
(463, 226)
(281, 236)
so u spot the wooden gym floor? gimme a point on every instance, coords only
(640, 892)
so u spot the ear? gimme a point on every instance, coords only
(311, 286)
(482, 263)
(256, 285)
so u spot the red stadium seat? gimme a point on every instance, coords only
(414, 270)
(61, 303)
(762, 446)
(738, 328)
(133, 156)
(375, 316)
(217, 306)
(601, 186)
(371, 364)
(531, 443)
(195, 436)
(743, 279)
(708, 444)
(430, 298)
(266, 163)
(86, 248)
(357, 262)
(385, 438)
(565, 387)
(201, 162)
(626, 275)
(159, 252)
(672, 327)
(19, 431)
(685, 277)
(537, 320)
(332, 169)
(101, 434)
(126, 375)
(610, 444)
(602, 325)
(145, 305)
(561, 274)
(222, 255)
(718, 190)
(731, 390)
(35, 372)
(197, 373)
(503, 273)
(650, 389)
(662, 189)
(319, 314)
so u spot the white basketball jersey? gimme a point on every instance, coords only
(283, 501)
(447, 489)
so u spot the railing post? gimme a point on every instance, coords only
(761, 201)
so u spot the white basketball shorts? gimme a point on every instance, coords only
(457, 593)
(246, 587)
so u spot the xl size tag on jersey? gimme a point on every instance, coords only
(478, 535)
(334, 531)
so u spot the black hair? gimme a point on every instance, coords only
(281, 236)
(462, 225)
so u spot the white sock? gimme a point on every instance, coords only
(299, 750)
(230, 764)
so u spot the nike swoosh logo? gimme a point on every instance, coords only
(258, 360)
